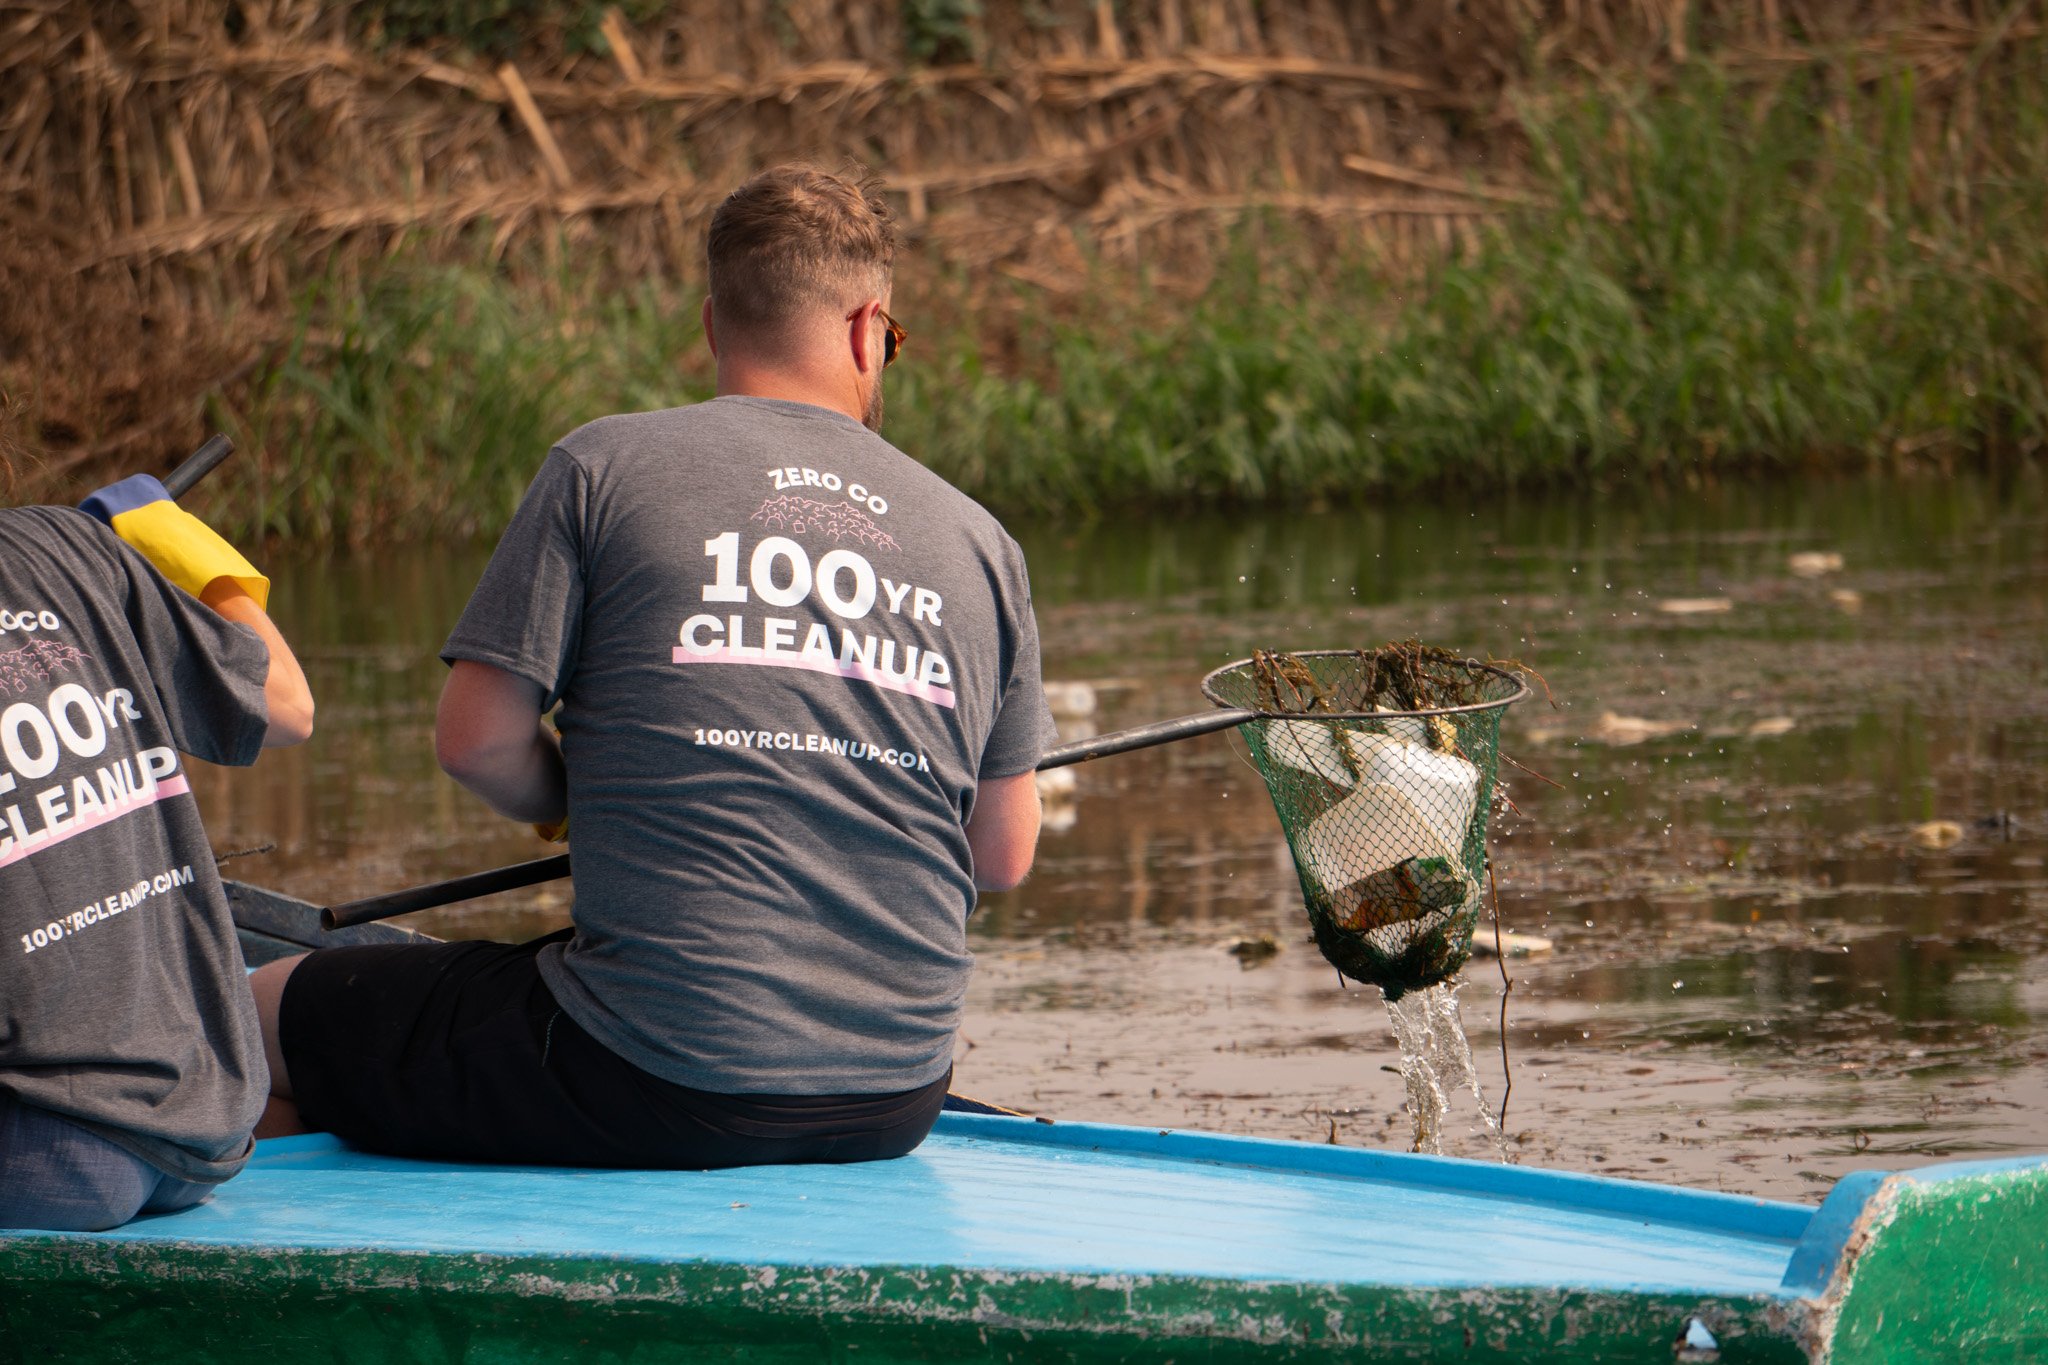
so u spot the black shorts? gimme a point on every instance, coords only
(458, 1051)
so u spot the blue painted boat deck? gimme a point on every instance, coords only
(1005, 1194)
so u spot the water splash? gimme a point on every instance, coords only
(1436, 1059)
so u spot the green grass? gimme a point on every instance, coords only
(1717, 277)
(421, 402)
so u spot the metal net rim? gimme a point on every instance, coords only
(1521, 685)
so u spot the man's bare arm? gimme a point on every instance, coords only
(1003, 831)
(287, 701)
(488, 736)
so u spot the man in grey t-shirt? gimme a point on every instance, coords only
(799, 713)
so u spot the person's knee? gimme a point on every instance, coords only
(172, 1196)
(67, 1210)
(58, 1177)
(267, 983)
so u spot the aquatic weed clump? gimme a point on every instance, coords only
(1381, 764)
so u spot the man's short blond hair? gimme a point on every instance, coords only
(795, 240)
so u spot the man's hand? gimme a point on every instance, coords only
(488, 736)
(184, 549)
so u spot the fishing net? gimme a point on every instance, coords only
(1381, 764)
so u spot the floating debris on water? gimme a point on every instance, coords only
(1848, 599)
(1619, 730)
(1512, 945)
(1814, 563)
(1255, 951)
(1058, 808)
(1771, 726)
(1937, 834)
(1056, 784)
(1695, 606)
(1070, 699)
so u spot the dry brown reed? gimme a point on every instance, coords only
(171, 164)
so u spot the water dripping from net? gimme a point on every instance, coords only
(1436, 1062)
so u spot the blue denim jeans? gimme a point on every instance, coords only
(58, 1177)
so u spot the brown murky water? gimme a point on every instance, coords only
(1772, 963)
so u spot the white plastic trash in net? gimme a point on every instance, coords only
(1408, 802)
(1309, 746)
(1313, 747)
(1444, 786)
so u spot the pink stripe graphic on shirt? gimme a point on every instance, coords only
(938, 696)
(14, 835)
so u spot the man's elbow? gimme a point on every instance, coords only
(1003, 872)
(479, 761)
(290, 721)
(461, 756)
(1004, 852)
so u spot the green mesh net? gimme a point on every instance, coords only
(1381, 764)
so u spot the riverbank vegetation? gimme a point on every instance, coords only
(1701, 279)
(1162, 254)
(1705, 278)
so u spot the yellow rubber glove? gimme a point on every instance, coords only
(187, 551)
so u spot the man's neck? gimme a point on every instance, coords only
(739, 378)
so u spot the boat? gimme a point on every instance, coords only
(1009, 1237)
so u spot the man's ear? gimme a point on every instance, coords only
(867, 356)
(710, 337)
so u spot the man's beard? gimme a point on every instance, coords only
(872, 418)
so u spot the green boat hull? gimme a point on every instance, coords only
(184, 1305)
(1929, 1270)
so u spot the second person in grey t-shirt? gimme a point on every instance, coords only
(800, 710)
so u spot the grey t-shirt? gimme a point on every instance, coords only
(785, 654)
(123, 1001)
